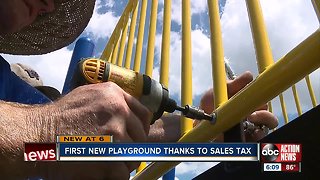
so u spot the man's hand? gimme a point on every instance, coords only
(102, 109)
(260, 117)
(167, 129)
(96, 109)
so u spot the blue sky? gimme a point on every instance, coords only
(288, 23)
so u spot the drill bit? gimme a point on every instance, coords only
(230, 73)
(195, 113)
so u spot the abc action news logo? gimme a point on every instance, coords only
(280, 152)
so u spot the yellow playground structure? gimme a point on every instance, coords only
(273, 79)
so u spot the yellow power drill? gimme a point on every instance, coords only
(149, 92)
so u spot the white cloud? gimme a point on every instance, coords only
(102, 25)
(197, 6)
(202, 78)
(108, 3)
(288, 23)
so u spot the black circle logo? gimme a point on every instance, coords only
(270, 152)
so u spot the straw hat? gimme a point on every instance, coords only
(30, 76)
(50, 31)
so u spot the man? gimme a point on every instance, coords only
(41, 26)
(31, 77)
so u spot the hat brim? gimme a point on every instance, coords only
(50, 31)
(50, 92)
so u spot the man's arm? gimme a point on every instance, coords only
(88, 110)
(18, 125)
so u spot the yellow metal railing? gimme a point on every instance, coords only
(123, 44)
(137, 60)
(270, 83)
(262, 47)
(186, 65)
(131, 36)
(273, 80)
(165, 53)
(217, 57)
(151, 39)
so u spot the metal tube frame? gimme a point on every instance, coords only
(131, 36)
(151, 38)
(137, 59)
(274, 80)
(261, 44)
(116, 33)
(123, 44)
(165, 46)
(217, 56)
(186, 64)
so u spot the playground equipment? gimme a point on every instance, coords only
(273, 80)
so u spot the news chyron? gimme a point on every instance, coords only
(281, 157)
(40, 152)
(50, 151)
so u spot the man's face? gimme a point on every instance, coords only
(16, 14)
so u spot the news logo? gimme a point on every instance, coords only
(40, 152)
(269, 152)
(281, 157)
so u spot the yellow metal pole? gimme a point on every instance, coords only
(312, 96)
(299, 62)
(123, 44)
(141, 167)
(270, 107)
(165, 47)
(106, 54)
(316, 6)
(137, 59)
(151, 40)
(150, 51)
(296, 99)
(283, 108)
(186, 64)
(109, 58)
(115, 53)
(260, 36)
(261, 42)
(111, 50)
(217, 56)
(131, 36)
(271, 110)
